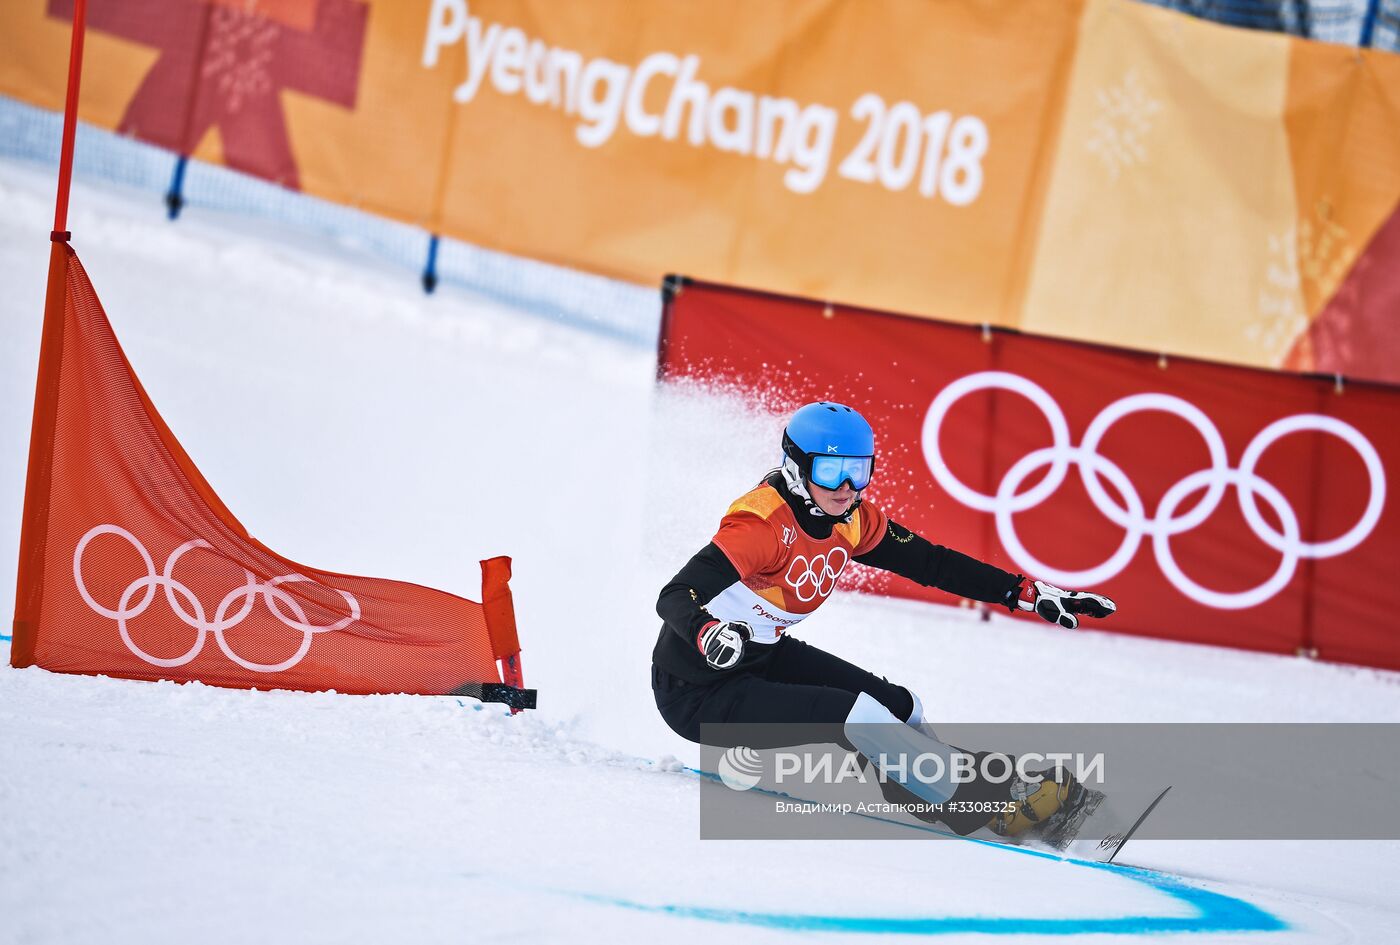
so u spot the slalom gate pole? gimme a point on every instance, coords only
(70, 117)
(38, 479)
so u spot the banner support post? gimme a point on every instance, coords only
(175, 196)
(70, 117)
(38, 477)
(430, 276)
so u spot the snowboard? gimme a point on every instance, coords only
(1097, 828)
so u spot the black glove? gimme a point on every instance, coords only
(1059, 606)
(723, 642)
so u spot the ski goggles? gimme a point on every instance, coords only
(830, 471)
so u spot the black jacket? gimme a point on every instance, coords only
(681, 604)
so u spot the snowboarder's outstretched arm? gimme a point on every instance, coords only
(910, 555)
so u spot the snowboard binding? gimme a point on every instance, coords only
(1050, 811)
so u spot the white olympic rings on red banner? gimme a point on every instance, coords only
(1165, 523)
(282, 605)
(817, 577)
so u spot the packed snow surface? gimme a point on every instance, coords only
(352, 422)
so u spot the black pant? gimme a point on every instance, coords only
(799, 683)
(796, 683)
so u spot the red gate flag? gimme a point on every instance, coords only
(131, 566)
(1215, 504)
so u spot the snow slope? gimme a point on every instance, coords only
(353, 423)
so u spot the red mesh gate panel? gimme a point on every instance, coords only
(131, 566)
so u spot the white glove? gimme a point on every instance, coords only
(1060, 606)
(723, 643)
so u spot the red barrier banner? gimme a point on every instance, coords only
(131, 566)
(1216, 504)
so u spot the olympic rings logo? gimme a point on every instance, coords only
(1165, 523)
(816, 578)
(191, 612)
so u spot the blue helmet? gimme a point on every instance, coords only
(830, 443)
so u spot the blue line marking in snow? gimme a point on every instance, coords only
(4, 637)
(1215, 913)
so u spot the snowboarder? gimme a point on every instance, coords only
(724, 653)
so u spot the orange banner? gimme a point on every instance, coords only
(1097, 169)
(1213, 190)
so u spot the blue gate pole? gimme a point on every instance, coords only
(1368, 25)
(175, 198)
(430, 279)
